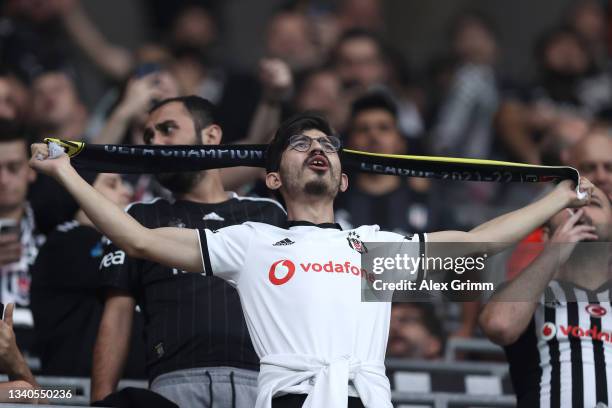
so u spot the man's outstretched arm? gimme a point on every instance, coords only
(508, 229)
(174, 247)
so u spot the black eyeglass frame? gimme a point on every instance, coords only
(334, 146)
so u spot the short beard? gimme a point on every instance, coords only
(179, 183)
(316, 188)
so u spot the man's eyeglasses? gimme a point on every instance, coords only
(302, 143)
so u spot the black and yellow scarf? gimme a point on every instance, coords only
(164, 159)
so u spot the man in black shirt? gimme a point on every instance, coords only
(394, 203)
(20, 235)
(199, 352)
(64, 298)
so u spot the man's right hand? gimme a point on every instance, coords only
(41, 162)
(568, 234)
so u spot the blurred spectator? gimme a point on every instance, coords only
(415, 332)
(192, 39)
(289, 37)
(57, 110)
(112, 60)
(592, 156)
(14, 96)
(191, 28)
(561, 136)
(12, 362)
(19, 246)
(65, 302)
(410, 98)
(321, 91)
(588, 19)
(360, 61)
(8, 105)
(394, 203)
(464, 124)
(200, 73)
(569, 84)
(569, 78)
(364, 64)
(194, 26)
(440, 74)
(126, 122)
(29, 38)
(363, 14)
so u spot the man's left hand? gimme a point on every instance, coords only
(567, 192)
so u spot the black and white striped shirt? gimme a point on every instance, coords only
(564, 357)
(190, 320)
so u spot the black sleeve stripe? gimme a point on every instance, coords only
(263, 200)
(421, 272)
(204, 252)
(135, 204)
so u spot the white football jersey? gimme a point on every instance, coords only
(300, 290)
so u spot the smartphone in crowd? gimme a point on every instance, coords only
(8, 226)
(148, 68)
(145, 69)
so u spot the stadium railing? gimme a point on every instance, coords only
(446, 400)
(79, 386)
(415, 382)
(483, 347)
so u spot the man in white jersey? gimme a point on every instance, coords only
(559, 344)
(299, 286)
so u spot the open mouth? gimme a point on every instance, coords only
(318, 162)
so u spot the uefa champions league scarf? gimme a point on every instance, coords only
(169, 159)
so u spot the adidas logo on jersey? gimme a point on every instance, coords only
(213, 216)
(284, 242)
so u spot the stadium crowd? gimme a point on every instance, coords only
(86, 308)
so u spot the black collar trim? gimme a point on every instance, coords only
(602, 288)
(312, 224)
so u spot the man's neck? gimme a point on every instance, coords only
(589, 265)
(209, 190)
(13, 213)
(315, 211)
(375, 184)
